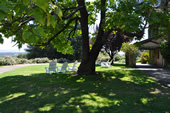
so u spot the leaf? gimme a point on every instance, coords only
(39, 31)
(48, 19)
(2, 15)
(39, 16)
(59, 12)
(4, 8)
(52, 21)
(42, 4)
(26, 2)
(32, 39)
(112, 2)
(27, 35)
(1, 39)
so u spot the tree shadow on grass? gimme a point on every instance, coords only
(112, 91)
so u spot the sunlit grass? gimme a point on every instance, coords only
(116, 90)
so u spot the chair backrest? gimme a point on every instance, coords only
(52, 66)
(75, 65)
(64, 66)
(103, 64)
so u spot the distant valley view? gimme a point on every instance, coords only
(13, 54)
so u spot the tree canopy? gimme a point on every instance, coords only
(41, 22)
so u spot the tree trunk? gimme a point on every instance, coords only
(88, 67)
(127, 59)
(89, 57)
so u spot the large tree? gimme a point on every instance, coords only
(41, 22)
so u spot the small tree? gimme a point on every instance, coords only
(144, 58)
(113, 44)
(165, 47)
(130, 51)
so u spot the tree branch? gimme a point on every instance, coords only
(22, 23)
(71, 14)
(53, 37)
(73, 30)
(7, 25)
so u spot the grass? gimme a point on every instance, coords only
(116, 90)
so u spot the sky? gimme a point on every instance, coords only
(8, 46)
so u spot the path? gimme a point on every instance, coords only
(160, 74)
(8, 68)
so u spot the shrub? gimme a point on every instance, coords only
(1, 62)
(117, 57)
(40, 60)
(22, 55)
(144, 57)
(22, 61)
(8, 60)
(62, 60)
(165, 47)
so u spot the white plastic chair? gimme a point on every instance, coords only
(64, 68)
(105, 64)
(52, 67)
(74, 67)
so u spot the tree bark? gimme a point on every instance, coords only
(89, 57)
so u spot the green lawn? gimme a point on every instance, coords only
(116, 90)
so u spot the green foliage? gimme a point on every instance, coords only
(165, 47)
(117, 57)
(37, 18)
(1, 39)
(41, 60)
(30, 15)
(1, 62)
(62, 60)
(52, 53)
(8, 60)
(22, 55)
(129, 48)
(144, 58)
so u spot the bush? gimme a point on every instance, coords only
(8, 60)
(62, 60)
(1, 62)
(40, 60)
(165, 47)
(144, 57)
(117, 57)
(22, 56)
(22, 61)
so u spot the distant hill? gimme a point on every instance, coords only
(13, 54)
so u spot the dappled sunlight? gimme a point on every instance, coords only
(134, 76)
(92, 101)
(155, 91)
(11, 97)
(46, 107)
(32, 96)
(118, 90)
(146, 100)
(80, 80)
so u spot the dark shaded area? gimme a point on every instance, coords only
(157, 72)
(107, 93)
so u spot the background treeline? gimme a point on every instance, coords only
(36, 54)
(50, 52)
